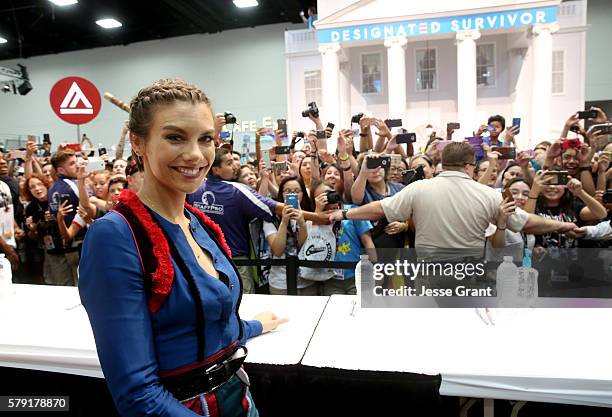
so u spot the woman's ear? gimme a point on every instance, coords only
(137, 144)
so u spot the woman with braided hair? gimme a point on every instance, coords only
(157, 279)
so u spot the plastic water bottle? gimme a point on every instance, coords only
(507, 283)
(364, 278)
(527, 286)
(6, 278)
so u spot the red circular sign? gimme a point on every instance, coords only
(75, 100)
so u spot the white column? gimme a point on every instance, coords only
(521, 77)
(345, 95)
(330, 83)
(466, 81)
(396, 68)
(541, 38)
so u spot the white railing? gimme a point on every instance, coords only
(304, 40)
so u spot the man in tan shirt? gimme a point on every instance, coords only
(451, 211)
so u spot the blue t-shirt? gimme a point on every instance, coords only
(232, 205)
(62, 189)
(487, 140)
(349, 242)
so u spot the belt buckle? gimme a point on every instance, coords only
(239, 353)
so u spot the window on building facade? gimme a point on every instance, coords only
(371, 73)
(312, 87)
(558, 73)
(426, 69)
(485, 65)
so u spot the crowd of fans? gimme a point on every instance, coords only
(50, 199)
(275, 205)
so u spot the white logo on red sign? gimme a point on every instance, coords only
(75, 100)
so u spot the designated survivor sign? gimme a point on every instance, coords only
(486, 21)
(75, 100)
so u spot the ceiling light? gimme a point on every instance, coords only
(62, 3)
(2, 40)
(108, 23)
(246, 3)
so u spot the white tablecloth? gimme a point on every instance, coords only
(553, 355)
(46, 328)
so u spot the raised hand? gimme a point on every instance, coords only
(554, 150)
(603, 163)
(279, 135)
(572, 120)
(320, 202)
(31, 149)
(383, 129)
(601, 116)
(506, 209)
(540, 180)
(63, 210)
(286, 215)
(575, 186)
(511, 132)
(523, 159)
(585, 155)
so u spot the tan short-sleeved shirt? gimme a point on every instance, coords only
(449, 211)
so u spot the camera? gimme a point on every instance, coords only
(602, 129)
(356, 118)
(587, 114)
(393, 123)
(282, 125)
(300, 134)
(311, 110)
(333, 197)
(282, 150)
(378, 161)
(95, 164)
(405, 138)
(412, 175)
(321, 134)
(560, 177)
(230, 119)
(280, 167)
(607, 196)
(453, 126)
(506, 152)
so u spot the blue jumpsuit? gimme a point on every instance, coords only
(133, 344)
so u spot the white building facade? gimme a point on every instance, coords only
(441, 61)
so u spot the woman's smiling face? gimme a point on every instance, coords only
(179, 148)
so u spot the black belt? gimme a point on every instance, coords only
(207, 378)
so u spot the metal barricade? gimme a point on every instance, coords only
(292, 265)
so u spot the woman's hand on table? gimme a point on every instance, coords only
(269, 321)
